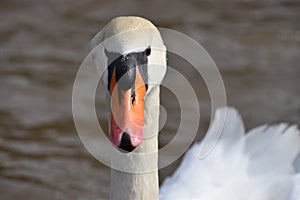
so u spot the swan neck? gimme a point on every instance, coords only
(143, 185)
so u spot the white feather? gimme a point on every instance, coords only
(259, 165)
(125, 35)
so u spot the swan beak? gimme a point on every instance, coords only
(127, 114)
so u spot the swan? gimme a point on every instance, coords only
(262, 164)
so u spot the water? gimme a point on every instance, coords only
(255, 45)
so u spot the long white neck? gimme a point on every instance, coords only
(137, 186)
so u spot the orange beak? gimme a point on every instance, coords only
(127, 113)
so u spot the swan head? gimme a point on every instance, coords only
(133, 57)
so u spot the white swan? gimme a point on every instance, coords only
(259, 165)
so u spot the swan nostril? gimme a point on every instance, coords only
(126, 143)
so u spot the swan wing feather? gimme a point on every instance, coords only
(259, 165)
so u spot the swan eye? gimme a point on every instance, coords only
(148, 51)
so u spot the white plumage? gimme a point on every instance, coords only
(259, 165)
(129, 34)
(263, 164)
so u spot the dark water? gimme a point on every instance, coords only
(255, 45)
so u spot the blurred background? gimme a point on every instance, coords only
(255, 45)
